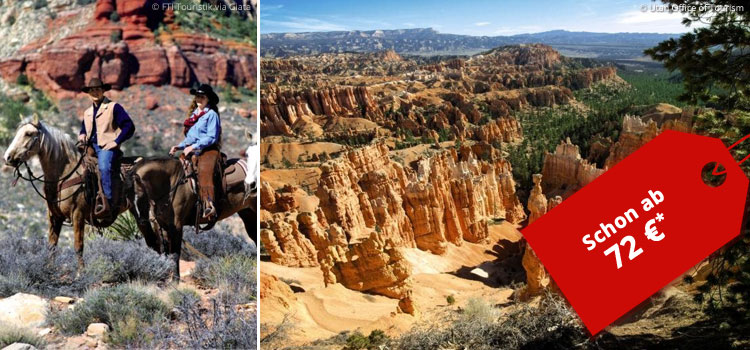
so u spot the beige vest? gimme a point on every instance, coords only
(106, 131)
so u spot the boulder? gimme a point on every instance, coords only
(19, 346)
(23, 310)
(97, 330)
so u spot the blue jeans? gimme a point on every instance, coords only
(107, 160)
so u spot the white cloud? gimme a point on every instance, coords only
(410, 24)
(298, 24)
(482, 24)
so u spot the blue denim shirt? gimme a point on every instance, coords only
(205, 132)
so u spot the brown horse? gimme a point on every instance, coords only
(164, 193)
(61, 163)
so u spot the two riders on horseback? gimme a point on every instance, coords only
(106, 125)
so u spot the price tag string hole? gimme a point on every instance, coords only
(711, 177)
(719, 169)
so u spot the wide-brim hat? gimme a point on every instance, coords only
(96, 83)
(208, 91)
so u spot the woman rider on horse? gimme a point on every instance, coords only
(202, 130)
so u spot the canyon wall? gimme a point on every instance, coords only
(565, 169)
(370, 206)
(126, 52)
(637, 131)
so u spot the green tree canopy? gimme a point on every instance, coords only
(714, 58)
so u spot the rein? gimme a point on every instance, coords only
(33, 179)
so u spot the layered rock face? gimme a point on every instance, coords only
(637, 131)
(536, 276)
(374, 265)
(283, 111)
(362, 192)
(455, 98)
(565, 169)
(126, 52)
(370, 206)
(286, 243)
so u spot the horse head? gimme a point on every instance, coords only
(26, 143)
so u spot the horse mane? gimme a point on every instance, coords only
(56, 144)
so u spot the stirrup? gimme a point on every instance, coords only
(102, 211)
(209, 211)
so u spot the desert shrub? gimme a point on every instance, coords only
(214, 244)
(114, 16)
(246, 92)
(233, 276)
(121, 261)
(551, 325)
(11, 334)
(215, 23)
(126, 308)
(9, 117)
(115, 36)
(184, 295)
(38, 4)
(221, 327)
(27, 265)
(450, 299)
(376, 340)
(479, 310)
(125, 228)
(22, 79)
(41, 102)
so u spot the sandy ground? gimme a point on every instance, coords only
(321, 312)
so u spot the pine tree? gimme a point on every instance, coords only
(714, 59)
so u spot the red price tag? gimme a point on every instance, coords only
(639, 226)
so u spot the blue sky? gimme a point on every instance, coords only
(499, 17)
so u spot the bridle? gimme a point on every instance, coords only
(18, 173)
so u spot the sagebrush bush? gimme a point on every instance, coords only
(214, 244)
(234, 276)
(551, 325)
(220, 327)
(122, 261)
(184, 295)
(128, 309)
(11, 334)
(27, 265)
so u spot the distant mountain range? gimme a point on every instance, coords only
(427, 41)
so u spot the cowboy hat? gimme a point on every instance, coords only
(95, 83)
(206, 90)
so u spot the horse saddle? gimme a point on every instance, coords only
(126, 165)
(102, 214)
(234, 172)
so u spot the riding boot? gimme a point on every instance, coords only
(210, 211)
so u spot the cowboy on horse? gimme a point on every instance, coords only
(105, 126)
(202, 130)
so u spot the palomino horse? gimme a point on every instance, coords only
(162, 190)
(61, 164)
